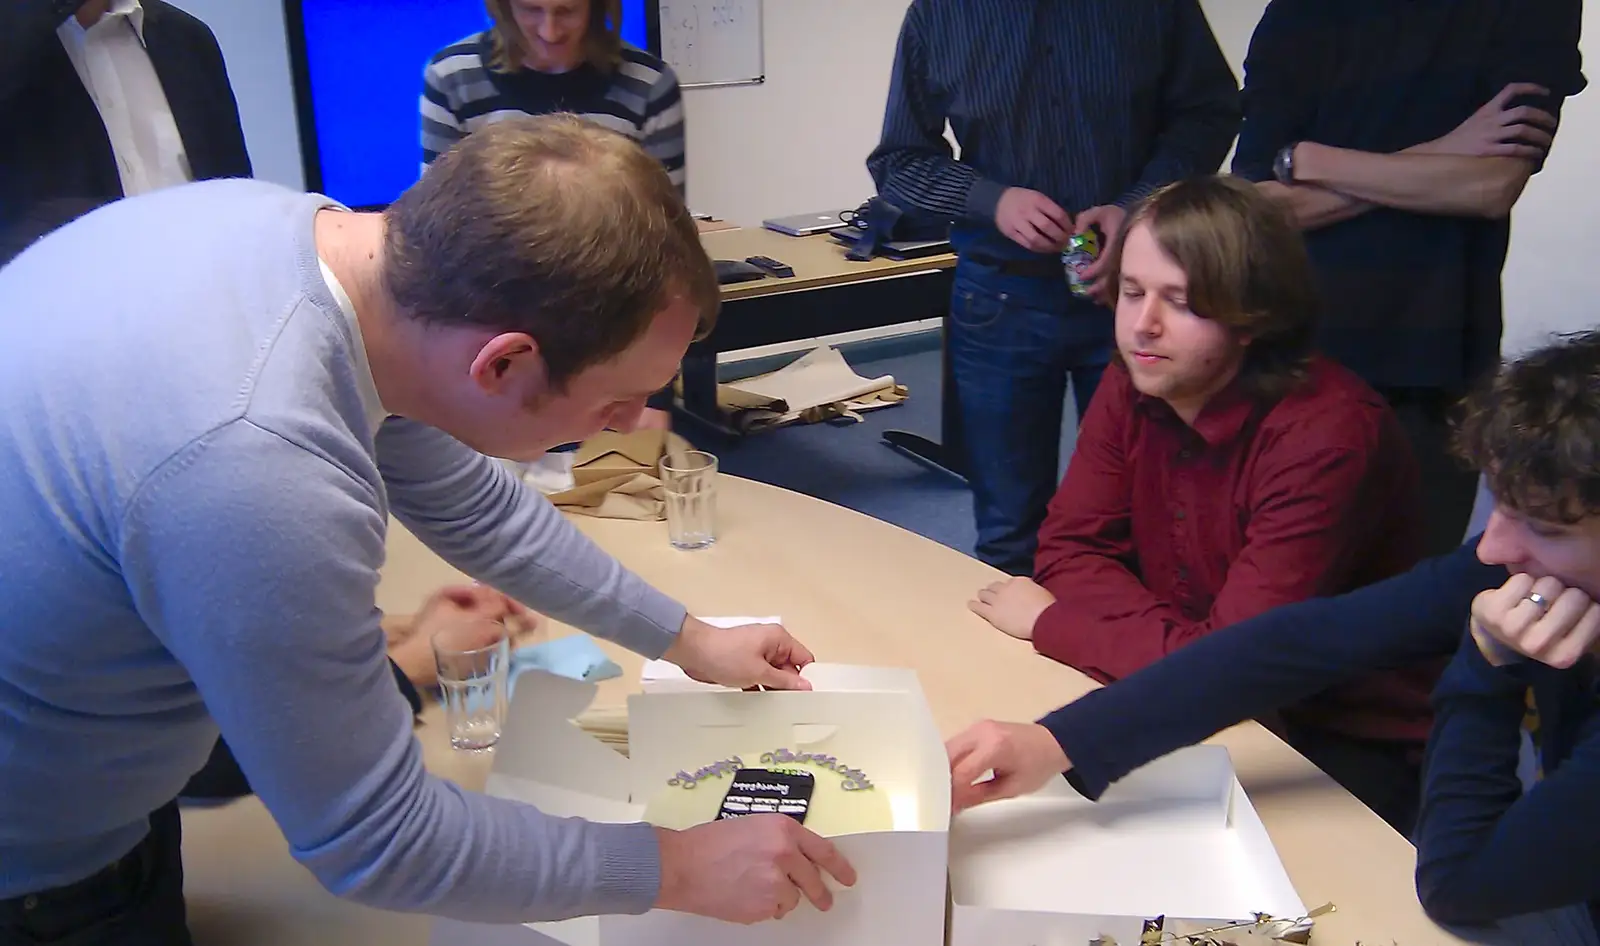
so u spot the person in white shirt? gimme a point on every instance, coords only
(104, 99)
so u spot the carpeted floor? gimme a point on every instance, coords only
(849, 464)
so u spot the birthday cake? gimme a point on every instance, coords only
(827, 796)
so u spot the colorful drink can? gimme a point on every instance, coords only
(1081, 250)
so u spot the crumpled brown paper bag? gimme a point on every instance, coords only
(616, 476)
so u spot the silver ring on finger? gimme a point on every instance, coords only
(1538, 601)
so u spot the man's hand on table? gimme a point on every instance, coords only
(745, 870)
(746, 656)
(1013, 605)
(1562, 626)
(1021, 756)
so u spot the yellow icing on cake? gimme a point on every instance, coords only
(843, 800)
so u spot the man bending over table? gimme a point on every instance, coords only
(1518, 610)
(1223, 470)
(203, 441)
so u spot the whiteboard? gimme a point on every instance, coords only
(712, 42)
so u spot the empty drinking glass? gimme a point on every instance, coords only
(474, 659)
(689, 480)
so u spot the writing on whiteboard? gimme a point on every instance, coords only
(710, 40)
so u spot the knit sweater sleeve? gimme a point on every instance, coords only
(475, 515)
(254, 560)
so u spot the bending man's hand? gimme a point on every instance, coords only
(746, 656)
(1021, 756)
(1542, 619)
(745, 870)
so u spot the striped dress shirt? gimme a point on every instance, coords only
(640, 99)
(1090, 102)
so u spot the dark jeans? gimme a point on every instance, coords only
(1383, 775)
(1014, 343)
(1449, 486)
(136, 901)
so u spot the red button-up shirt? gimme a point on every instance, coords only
(1162, 532)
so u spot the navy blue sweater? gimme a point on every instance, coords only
(1485, 849)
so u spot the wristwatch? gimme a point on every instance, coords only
(1283, 164)
(65, 8)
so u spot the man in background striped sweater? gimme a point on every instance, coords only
(543, 56)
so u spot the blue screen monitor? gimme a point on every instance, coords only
(358, 76)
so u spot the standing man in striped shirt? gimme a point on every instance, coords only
(1065, 114)
(543, 56)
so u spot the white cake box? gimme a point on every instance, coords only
(1177, 838)
(872, 719)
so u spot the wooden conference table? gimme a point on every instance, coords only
(855, 590)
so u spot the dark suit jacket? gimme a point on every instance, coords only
(57, 162)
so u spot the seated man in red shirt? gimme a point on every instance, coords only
(1223, 469)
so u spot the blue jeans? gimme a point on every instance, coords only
(135, 901)
(1014, 342)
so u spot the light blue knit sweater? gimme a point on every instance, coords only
(192, 516)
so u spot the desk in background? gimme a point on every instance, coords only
(780, 553)
(827, 295)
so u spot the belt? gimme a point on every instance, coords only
(1032, 267)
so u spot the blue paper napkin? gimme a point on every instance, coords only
(575, 656)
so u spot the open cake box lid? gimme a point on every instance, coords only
(1177, 839)
(869, 718)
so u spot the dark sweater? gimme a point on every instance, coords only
(1485, 850)
(61, 166)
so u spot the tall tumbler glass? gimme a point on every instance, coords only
(474, 660)
(689, 479)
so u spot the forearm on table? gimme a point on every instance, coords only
(476, 515)
(1314, 207)
(1416, 181)
(1253, 667)
(1105, 622)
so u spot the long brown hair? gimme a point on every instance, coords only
(1247, 269)
(602, 39)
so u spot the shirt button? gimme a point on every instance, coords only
(1183, 454)
(30, 903)
(1183, 573)
(1180, 515)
